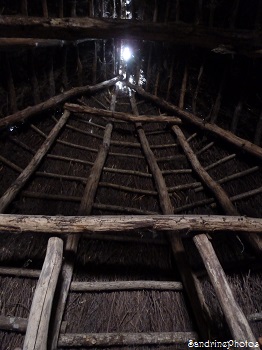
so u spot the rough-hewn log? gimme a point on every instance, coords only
(19, 183)
(235, 317)
(40, 312)
(128, 339)
(73, 240)
(214, 187)
(54, 101)
(121, 115)
(11, 223)
(258, 133)
(125, 285)
(10, 85)
(190, 282)
(79, 28)
(198, 122)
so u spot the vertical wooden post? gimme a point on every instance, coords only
(170, 81)
(45, 8)
(148, 72)
(258, 133)
(24, 9)
(183, 89)
(216, 107)
(73, 240)
(91, 8)
(22, 179)
(39, 317)
(79, 67)
(199, 12)
(51, 75)
(233, 16)
(64, 68)
(10, 85)
(194, 100)
(155, 12)
(61, 9)
(236, 116)
(73, 8)
(34, 81)
(94, 66)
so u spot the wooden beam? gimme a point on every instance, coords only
(72, 241)
(11, 223)
(121, 115)
(190, 282)
(125, 285)
(54, 101)
(40, 312)
(207, 180)
(176, 32)
(235, 317)
(31, 42)
(127, 339)
(213, 129)
(22, 179)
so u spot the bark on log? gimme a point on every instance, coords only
(54, 101)
(40, 312)
(82, 28)
(125, 285)
(214, 130)
(121, 115)
(190, 282)
(128, 339)
(19, 183)
(30, 42)
(73, 240)
(213, 186)
(178, 223)
(235, 317)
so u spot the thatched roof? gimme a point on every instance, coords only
(175, 129)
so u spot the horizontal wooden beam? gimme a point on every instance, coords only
(128, 339)
(121, 115)
(85, 27)
(80, 224)
(31, 42)
(54, 101)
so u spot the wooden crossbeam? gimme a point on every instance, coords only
(12, 223)
(239, 143)
(176, 32)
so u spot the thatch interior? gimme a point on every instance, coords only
(220, 84)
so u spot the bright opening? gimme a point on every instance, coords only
(126, 54)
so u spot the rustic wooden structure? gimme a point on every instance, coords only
(130, 199)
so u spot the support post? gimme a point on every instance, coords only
(40, 312)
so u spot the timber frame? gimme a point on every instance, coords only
(178, 198)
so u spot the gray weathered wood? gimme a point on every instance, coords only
(73, 240)
(22, 179)
(54, 101)
(40, 312)
(235, 317)
(190, 282)
(12, 223)
(128, 339)
(121, 115)
(125, 285)
(213, 129)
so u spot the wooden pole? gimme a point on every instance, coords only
(120, 115)
(34, 81)
(40, 312)
(258, 133)
(45, 8)
(23, 6)
(105, 28)
(213, 129)
(190, 282)
(127, 339)
(72, 241)
(61, 9)
(51, 75)
(235, 317)
(54, 101)
(10, 85)
(22, 179)
(183, 89)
